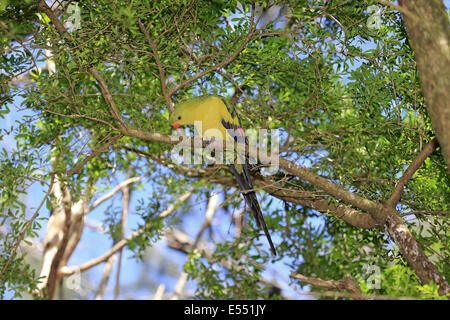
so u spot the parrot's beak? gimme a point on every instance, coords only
(176, 125)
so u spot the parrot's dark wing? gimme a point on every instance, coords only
(243, 176)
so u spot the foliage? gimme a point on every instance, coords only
(346, 99)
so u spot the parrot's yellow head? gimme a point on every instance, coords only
(187, 112)
(179, 117)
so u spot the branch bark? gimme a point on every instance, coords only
(64, 230)
(429, 35)
(411, 250)
(313, 200)
(399, 231)
(94, 154)
(379, 213)
(13, 253)
(126, 195)
(346, 283)
(211, 210)
(110, 194)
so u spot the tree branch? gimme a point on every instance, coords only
(346, 283)
(399, 8)
(309, 199)
(67, 271)
(180, 241)
(376, 210)
(417, 212)
(429, 36)
(211, 209)
(225, 62)
(126, 195)
(116, 189)
(33, 217)
(411, 250)
(94, 154)
(379, 213)
(162, 77)
(409, 172)
(57, 259)
(42, 5)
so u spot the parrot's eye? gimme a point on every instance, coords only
(179, 117)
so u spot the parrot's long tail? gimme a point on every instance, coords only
(245, 184)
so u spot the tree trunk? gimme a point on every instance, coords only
(427, 24)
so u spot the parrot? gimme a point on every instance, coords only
(216, 112)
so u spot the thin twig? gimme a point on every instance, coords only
(224, 62)
(418, 212)
(53, 277)
(162, 77)
(94, 154)
(398, 8)
(28, 226)
(116, 189)
(409, 172)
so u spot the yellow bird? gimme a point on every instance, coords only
(210, 114)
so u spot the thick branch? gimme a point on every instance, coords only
(309, 199)
(346, 283)
(429, 35)
(53, 274)
(411, 250)
(419, 212)
(430, 38)
(396, 228)
(399, 232)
